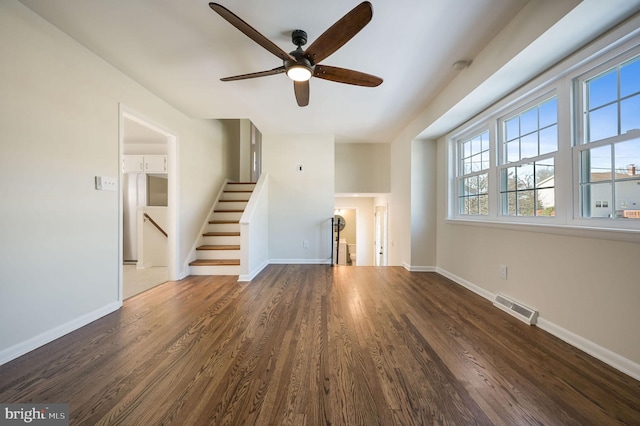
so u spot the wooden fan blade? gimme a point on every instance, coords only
(346, 76)
(301, 88)
(274, 71)
(250, 32)
(340, 33)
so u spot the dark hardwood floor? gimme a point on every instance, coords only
(316, 345)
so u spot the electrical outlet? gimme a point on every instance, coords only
(305, 244)
(503, 272)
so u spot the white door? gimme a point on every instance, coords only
(381, 236)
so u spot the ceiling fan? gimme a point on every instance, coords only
(300, 65)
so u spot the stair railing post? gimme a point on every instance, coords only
(331, 239)
(338, 243)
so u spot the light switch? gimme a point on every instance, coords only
(106, 183)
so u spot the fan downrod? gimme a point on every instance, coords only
(299, 37)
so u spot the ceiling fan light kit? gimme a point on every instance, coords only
(300, 65)
(299, 73)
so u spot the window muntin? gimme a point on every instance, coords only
(528, 189)
(473, 187)
(612, 102)
(531, 133)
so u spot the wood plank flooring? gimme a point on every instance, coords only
(316, 345)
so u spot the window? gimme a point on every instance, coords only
(529, 140)
(609, 149)
(563, 150)
(473, 195)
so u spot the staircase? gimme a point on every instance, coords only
(219, 253)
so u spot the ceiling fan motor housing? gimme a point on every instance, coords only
(299, 37)
(301, 60)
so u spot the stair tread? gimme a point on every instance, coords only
(228, 211)
(219, 247)
(223, 222)
(221, 234)
(214, 262)
(237, 191)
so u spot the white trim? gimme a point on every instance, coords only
(467, 284)
(412, 268)
(173, 230)
(300, 262)
(605, 355)
(42, 339)
(585, 231)
(611, 46)
(254, 273)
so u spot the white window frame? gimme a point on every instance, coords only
(560, 79)
(468, 135)
(503, 164)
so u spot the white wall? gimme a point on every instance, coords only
(300, 203)
(59, 124)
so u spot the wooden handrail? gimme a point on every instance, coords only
(146, 216)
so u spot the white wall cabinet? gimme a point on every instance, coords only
(144, 164)
(133, 164)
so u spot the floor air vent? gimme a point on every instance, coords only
(516, 309)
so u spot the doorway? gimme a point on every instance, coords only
(147, 238)
(380, 213)
(345, 240)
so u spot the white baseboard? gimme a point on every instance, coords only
(605, 355)
(42, 339)
(300, 261)
(412, 268)
(251, 275)
(467, 284)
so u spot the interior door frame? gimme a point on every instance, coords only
(380, 235)
(173, 196)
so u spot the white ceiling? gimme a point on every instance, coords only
(181, 49)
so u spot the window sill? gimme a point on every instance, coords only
(583, 230)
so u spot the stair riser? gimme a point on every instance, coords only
(226, 216)
(221, 240)
(240, 187)
(218, 254)
(231, 205)
(242, 196)
(215, 270)
(223, 227)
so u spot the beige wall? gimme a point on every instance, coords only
(362, 167)
(587, 286)
(583, 283)
(423, 205)
(300, 203)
